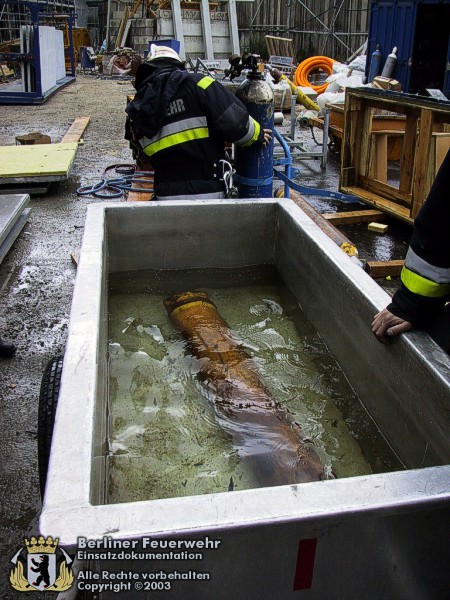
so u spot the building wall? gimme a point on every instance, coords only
(81, 10)
(338, 31)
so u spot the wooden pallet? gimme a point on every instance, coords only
(138, 183)
(279, 46)
(379, 122)
(364, 153)
(354, 217)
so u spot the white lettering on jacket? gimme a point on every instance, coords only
(175, 108)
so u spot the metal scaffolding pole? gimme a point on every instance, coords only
(327, 29)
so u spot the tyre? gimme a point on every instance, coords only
(48, 401)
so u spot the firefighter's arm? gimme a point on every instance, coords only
(228, 116)
(425, 277)
(138, 152)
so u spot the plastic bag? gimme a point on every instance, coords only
(359, 63)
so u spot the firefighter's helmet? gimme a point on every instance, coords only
(157, 52)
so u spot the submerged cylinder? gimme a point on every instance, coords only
(265, 433)
(254, 164)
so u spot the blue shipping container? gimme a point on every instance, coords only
(420, 29)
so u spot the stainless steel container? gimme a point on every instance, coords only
(375, 536)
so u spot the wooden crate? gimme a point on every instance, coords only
(392, 125)
(279, 46)
(425, 139)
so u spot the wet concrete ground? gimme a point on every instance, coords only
(37, 278)
(36, 283)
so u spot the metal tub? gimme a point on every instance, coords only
(375, 536)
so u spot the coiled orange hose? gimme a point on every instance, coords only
(314, 63)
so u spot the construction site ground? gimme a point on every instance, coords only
(37, 278)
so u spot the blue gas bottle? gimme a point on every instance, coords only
(254, 164)
(375, 64)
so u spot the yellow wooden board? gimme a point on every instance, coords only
(43, 160)
(76, 130)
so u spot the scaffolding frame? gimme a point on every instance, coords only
(13, 15)
(283, 25)
(35, 15)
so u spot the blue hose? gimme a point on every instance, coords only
(114, 187)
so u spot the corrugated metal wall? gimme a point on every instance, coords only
(318, 27)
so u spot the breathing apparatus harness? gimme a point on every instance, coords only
(227, 178)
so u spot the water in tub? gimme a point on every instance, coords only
(167, 439)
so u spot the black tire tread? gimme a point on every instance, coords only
(48, 401)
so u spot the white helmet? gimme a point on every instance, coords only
(162, 52)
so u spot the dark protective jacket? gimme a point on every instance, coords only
(181, 121)
(425, 277)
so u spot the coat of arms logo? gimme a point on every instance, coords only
(41, 567)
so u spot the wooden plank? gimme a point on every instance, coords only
(420, 186)
(76, 130)
(366, 142)
(138, 183)
(394, 141)
(380, 203)
(135, 7)
(354, 217)
(126, 31)
(378, 162)
(351, 140)
(442, 141)
(347, 176)
(122, 25)
(388, 191)
(390, 132)
(279, 46)
(18, 162)
(401, 103)
(384, 268)
(407, 156)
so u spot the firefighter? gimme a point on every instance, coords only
(179, 122)
(425, 277)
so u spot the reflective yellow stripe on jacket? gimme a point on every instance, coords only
(422, 286)
(253, 127)
(423, 278)
(195, 128)
(252, 133)
(205, 82)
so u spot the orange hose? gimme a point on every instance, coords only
(314, 63)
